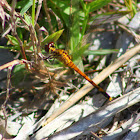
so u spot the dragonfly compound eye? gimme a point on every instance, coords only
(49, 46)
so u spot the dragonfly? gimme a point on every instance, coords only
(63, 56)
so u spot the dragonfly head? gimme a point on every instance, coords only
(49, 46)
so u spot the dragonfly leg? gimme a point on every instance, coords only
(44, 57)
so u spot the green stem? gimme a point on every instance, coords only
(33, 13)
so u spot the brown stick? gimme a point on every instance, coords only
(12, 63)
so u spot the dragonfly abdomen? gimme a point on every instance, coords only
(73, 66)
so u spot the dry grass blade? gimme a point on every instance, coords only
(85, 89)
(98, 118)
(12, 63)
(130, 124)
(94, 121)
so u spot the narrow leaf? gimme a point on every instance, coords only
(97, 4)
(100, 52)
(12, 40)
(53, 37)
(26, 7)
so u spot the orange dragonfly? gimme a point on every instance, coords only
(63, 56)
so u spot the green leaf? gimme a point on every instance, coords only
(62, 10)
(27, 19)
(3, 47)
(107, 17)
(26, 7)
(18, 74)
(79, 63)
(86, 10)
(12, 40)
(75, 25)
(79, 51)
(97, 4)
(21, 4)
(10, 48)
(100, 52)
(52, 38)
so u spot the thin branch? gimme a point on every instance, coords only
(48, 16)
(12, 63)
(7, 96)
(38, 10)
(34, 40)
(13, 24)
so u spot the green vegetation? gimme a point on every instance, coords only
(64, 22)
